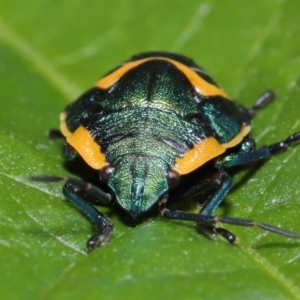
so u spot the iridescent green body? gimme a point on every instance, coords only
(146, 119)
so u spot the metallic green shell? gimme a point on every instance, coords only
(150, 116)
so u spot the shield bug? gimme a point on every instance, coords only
(149, 124)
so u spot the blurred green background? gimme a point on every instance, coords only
(50, 52)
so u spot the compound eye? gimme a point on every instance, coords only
(173, 178)
(105, 173)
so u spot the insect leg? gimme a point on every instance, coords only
(82, 194)
(196, 189)
(102, 223)
(89, 192)
(248, 144)
(209, 207)
(222, 182)
(263, 153)
(209, 220)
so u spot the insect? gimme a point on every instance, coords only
(156, 128)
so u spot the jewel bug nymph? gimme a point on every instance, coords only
(147, 123)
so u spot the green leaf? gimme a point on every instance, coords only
(50, 53)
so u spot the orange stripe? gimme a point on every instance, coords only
(205, 151)
(203, 87)
(89, 150)
(198, 155)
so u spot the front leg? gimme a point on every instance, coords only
(83, 195)
(103, 224)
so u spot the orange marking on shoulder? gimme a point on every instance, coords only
(202, 86)
(198, 155)
(89, 150)
(206, 150)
